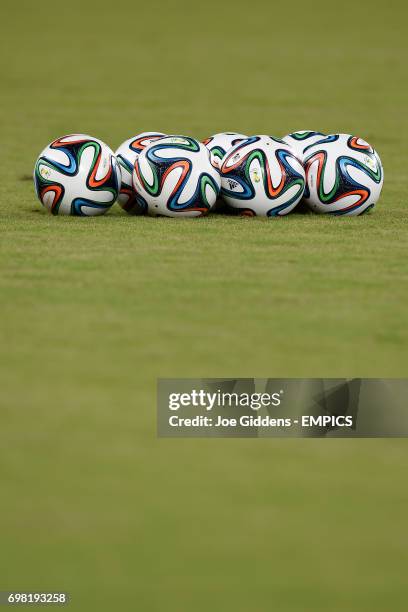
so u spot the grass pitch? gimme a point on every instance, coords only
(94, 310)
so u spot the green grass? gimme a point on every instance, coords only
(94, 310)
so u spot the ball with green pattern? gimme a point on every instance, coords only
(175, 177)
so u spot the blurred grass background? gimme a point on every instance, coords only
(94, 310)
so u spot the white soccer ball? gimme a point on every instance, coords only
(220, 144)
(175, 178)
(302, 139)
(77, 175)
(126, 155)
(344, 175)
(262, 176)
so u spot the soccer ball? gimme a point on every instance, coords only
(302, 139)
(77, 175)
(175, 178)
(344, 175)
(219, 144)
(126, 155)
(262, 176)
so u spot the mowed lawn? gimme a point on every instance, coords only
(95, 310)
